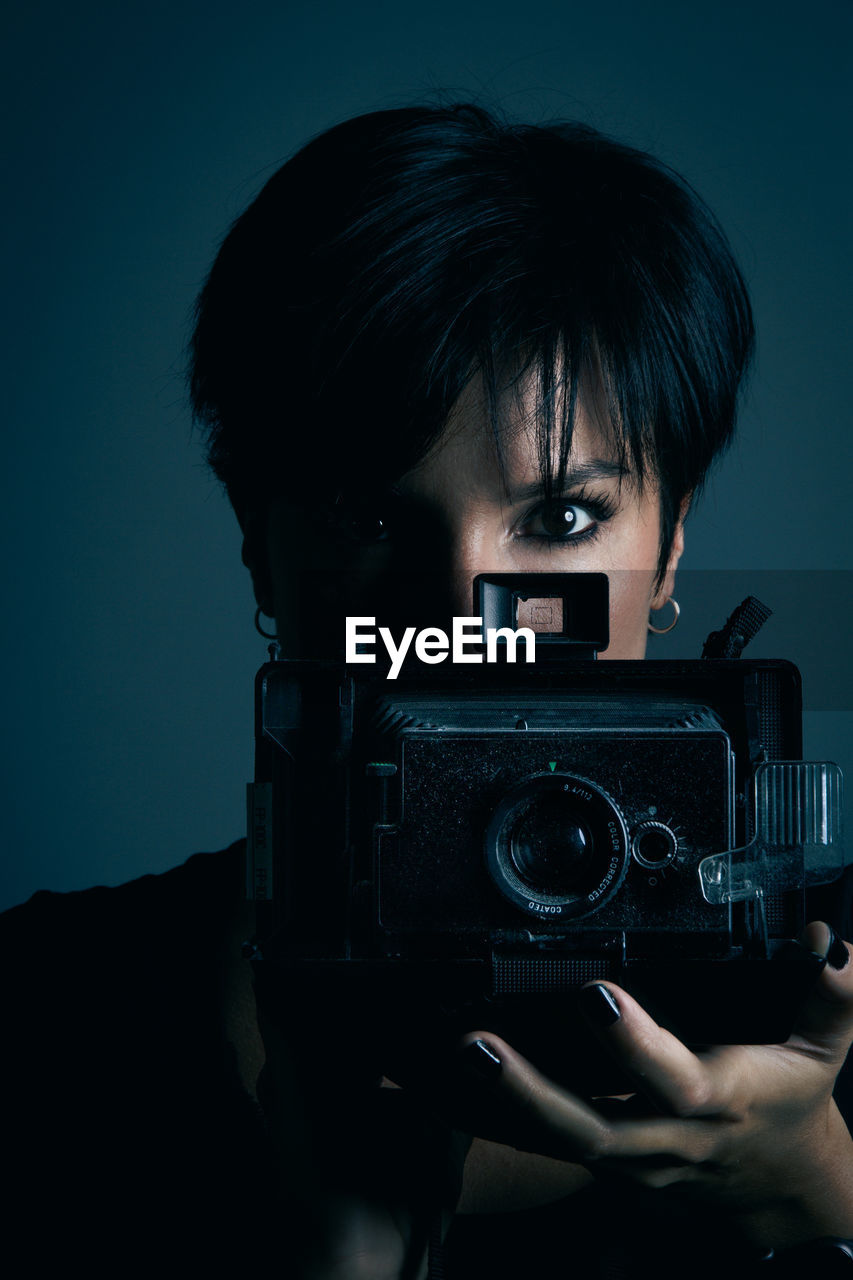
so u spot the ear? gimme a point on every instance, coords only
(256, 560)
(676, 551)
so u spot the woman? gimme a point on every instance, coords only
(433, 346)
(461, 347)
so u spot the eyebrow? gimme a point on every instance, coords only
(595, 469)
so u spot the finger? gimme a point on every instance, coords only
(510, 1102)
(673, 1078)
(826, 1019)
(656, 1174)
(505, 1099)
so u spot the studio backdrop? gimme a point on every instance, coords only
(135, 134)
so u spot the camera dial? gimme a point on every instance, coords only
(557, 847)
(654, 845)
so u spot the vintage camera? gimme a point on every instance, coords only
(470, 842)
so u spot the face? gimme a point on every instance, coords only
(411, 559)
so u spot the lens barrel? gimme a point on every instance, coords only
(557, 846)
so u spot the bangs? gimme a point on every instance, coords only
(543, 393)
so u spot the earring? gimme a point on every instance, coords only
(676, 613)
(268, 635)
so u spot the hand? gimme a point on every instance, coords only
(752, 1128)
(364, 1168)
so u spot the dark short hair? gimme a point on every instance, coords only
(402, 252)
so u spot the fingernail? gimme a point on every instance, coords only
(837, 954)
(599, 1005)
(483, 1060)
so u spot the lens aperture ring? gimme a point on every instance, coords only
(557, 847)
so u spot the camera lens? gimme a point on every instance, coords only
(556, 846)
(550, 844)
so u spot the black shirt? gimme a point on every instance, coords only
(131, 1137)
(131, 1140)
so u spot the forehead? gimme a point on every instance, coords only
(465, 458)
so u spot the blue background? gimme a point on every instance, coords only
(134, 135)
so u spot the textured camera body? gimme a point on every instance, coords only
(402, 844)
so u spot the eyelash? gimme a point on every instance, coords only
(600, 506)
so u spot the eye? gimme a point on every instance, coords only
(560, 520)
(360, 521)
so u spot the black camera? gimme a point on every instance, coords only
(475, 839)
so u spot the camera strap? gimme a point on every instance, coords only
(740, 627)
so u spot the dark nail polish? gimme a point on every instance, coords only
(599, 1005)
(483, 1060)
(837, 954)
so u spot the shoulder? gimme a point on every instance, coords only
(220, 872)
(68, 956)
(126, 927)
(116, 1051)
(136, 971)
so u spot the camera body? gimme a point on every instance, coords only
(475, 842)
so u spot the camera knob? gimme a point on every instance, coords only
(654, 845)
